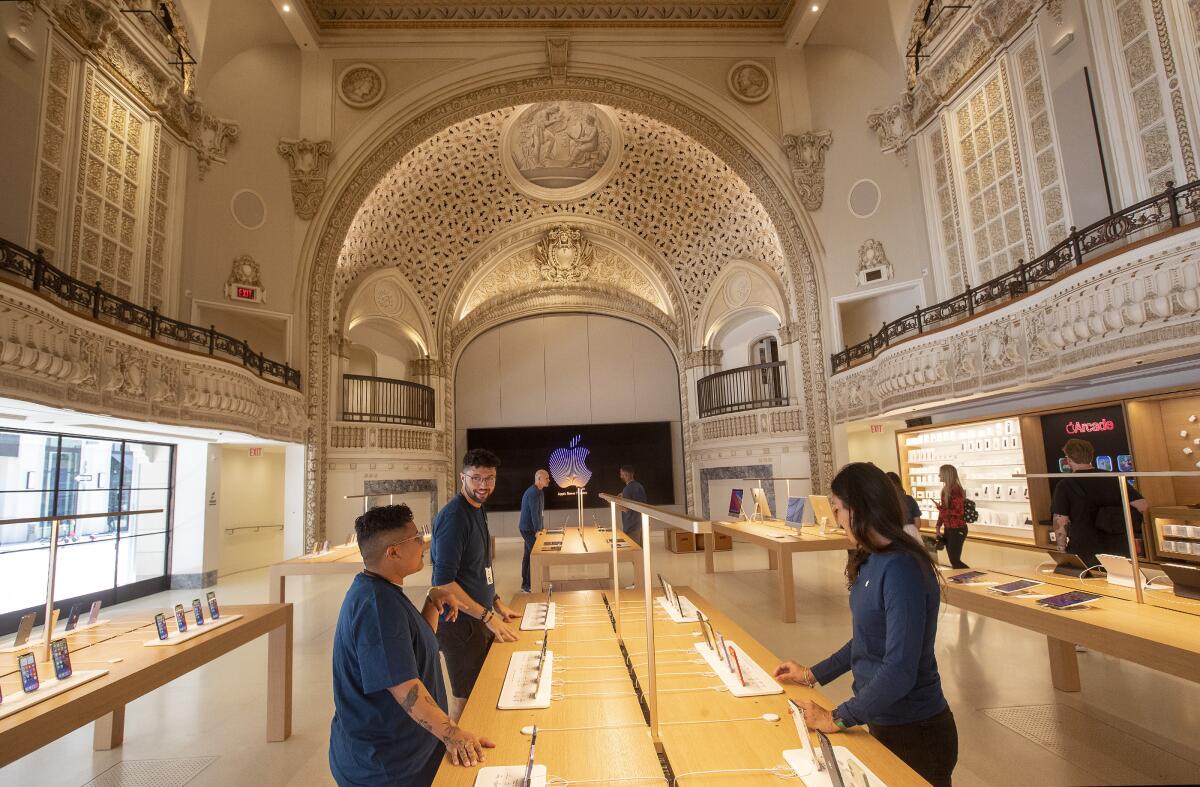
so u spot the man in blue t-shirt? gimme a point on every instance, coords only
(631, 521)
(389, 723)
(462, 555)
(533, 503)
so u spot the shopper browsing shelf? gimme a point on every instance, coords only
(1087, 515)
(462, 554)
(909, 507)
(533, 502)
(951, 506)
(631, 521)
(389, 723)
(894, 598)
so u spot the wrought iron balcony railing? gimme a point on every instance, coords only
(1172, 208)
(746, 388)
(92, 301)
(385, 401)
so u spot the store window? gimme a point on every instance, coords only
(115, 557)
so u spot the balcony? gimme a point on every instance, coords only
(1158, 216)
(384, 401)
(745, 388)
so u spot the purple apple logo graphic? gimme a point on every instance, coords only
(568, 466)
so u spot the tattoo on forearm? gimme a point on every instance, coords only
(410, 699)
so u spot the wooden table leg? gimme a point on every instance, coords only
(710, 546)
(787, 587)
(109, 732)
(772, 560)
(1064, 665)
(277, 587)
(279, 681)
(637, 574)
(537, 573)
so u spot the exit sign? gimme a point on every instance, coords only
(876, 428)
(255, 452)
(246, 293)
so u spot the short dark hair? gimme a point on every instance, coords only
(895, 479)
(480, 457)
(373, 526)
(628, 469)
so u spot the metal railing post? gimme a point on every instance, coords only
(1172, 196)
(39, 270)
(1076, 248)
(651, 668)
(97, 294)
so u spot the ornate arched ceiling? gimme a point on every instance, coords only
(448, 196)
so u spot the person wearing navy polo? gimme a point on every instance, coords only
(533, 502)
(461, 553)
(631, 521)
(894, 600)
(389, 723)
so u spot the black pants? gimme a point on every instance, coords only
(529, 537)
(929, 747)
(465, 644)
(635, 534)
(955, 538)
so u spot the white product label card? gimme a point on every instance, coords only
(487, 572)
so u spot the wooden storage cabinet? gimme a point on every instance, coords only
(1174, 534)
(723, 542)
(679, 540)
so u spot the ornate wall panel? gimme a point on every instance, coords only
(1047, 180)
(53, 179)
(994, 193)
(158, 224)
(109, 187)
(1143, 305)
(949, 226)
(52, 357)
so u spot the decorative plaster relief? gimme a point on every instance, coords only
(892, 129)
(704, 357)
(871, 259)
(245, 273)
(560, 151)
(556, 56)
(61, 360)
(750, 82)
(806, 153)
(1143, 305)
(308, 163)
(361, 85)
(564, 256)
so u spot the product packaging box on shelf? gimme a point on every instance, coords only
(680, 540)
(723, 543)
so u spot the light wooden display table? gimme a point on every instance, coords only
(1163, 636)
(590, 547)
(781, 542)
(343, 559)
(586, 650)
(139, 670)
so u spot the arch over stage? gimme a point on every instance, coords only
(329, 276)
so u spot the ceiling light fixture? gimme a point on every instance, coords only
(286, 8)
(816, 8)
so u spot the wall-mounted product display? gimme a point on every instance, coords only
(987, 454)
(1176, 534)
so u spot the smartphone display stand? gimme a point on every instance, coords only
(758, 681)
(854, 773)
(16, 701)
(689, 609)
(510, 776)
(537, 617)
(39, 639)
(193, 631)
(518, 692)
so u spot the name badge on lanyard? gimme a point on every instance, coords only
(487, 572)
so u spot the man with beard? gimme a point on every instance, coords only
(461, 553)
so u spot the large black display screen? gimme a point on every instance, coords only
(524, 450)
(1103, 427)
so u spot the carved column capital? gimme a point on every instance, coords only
(707, 359)
(424, 370)
(308, 164)
(806, 152)
(892, 127)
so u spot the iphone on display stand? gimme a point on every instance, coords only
(27, 665)
(214, 611)
(831, 763)
(61, 656)
(805, 741)
(180, 618)
(24, 629)
(198, 611)
(94, 614)
(160, 623)
(73, 616)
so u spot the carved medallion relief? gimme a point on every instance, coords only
(560, 151)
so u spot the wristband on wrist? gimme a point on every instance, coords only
(837, 721)
(486, 616)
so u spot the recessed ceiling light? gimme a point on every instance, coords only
(287, 8)
(816, 8)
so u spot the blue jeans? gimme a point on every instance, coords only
(530, 537)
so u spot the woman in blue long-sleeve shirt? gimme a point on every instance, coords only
(894, 598)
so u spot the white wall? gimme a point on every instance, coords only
(566, 369)
(734, 342)
(251, 493)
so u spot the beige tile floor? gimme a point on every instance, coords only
(1129, 725)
